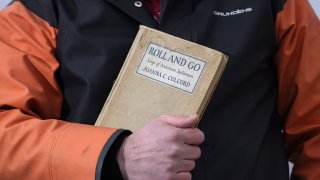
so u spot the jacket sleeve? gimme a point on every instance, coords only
(298, 66)
(33, 143)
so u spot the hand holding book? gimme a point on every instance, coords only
(162, 74)
(165, 148)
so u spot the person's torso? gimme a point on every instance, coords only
(241, 123)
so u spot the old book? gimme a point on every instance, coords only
(162, 74)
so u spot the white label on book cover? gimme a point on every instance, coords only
(170, 67)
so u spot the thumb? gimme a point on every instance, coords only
(181, 121)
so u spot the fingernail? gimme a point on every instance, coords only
(196, 115)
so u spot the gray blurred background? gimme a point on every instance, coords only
(4, 3)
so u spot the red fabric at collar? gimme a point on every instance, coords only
(154, 8)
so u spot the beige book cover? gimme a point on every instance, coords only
(162, 74)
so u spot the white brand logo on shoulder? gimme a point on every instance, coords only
(233, 13)
(315, 4)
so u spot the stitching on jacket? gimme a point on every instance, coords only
(56, 138)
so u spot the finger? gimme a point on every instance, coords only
(183, 176)
(193, 136)
(186, 165)
(181, 121)
(191, 152)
